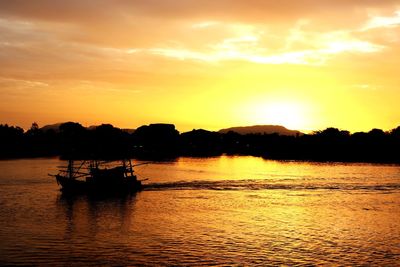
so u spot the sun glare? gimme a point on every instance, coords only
(292, 115)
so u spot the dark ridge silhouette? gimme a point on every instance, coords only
(56, 127)
(261, 129)
(52, 127)
(158, 141)
(201, 143)
(130, 131)
(163, 141)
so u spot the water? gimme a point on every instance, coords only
(240, 211)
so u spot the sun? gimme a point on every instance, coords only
(290, 114)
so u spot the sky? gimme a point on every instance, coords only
(211, 64)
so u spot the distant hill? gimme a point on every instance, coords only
(129, 131)
(55, 127)
(262, 129)
(256, 129)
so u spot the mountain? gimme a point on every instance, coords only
(129, 131)
(55, 127)
(256, 129)
(262, 129)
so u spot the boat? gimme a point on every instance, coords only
(96, 177)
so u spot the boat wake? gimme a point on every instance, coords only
(267, 185)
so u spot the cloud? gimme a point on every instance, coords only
(120, 40)
(128, 12)
(204, 24)
(248, 43)
(12, 84)
(305, 57)
(383, 22)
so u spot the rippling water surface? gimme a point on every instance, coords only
(241, 211)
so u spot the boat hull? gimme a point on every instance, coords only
(98, 187)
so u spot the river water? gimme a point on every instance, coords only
(232, 211)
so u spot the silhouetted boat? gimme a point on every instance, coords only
(98, 177)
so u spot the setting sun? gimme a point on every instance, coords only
(291, 115)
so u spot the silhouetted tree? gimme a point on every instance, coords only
(156, 141)
(74, 140)
(201, 143)
(110, 142)
(11, 141)
(395, 132)
(164, 141)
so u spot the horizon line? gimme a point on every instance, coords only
(201, 128)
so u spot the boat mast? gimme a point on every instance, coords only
(127, 167)
(71, 168)
(124, 166)
(130, 167)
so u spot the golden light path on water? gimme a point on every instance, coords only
(212, 211)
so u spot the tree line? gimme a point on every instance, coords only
(163, 141)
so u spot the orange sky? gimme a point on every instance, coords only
(304, 64)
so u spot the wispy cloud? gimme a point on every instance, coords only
(204, 24)
(383, 21)
(20, 83)
(251, 45)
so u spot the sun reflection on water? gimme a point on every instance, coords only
(218, 217)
